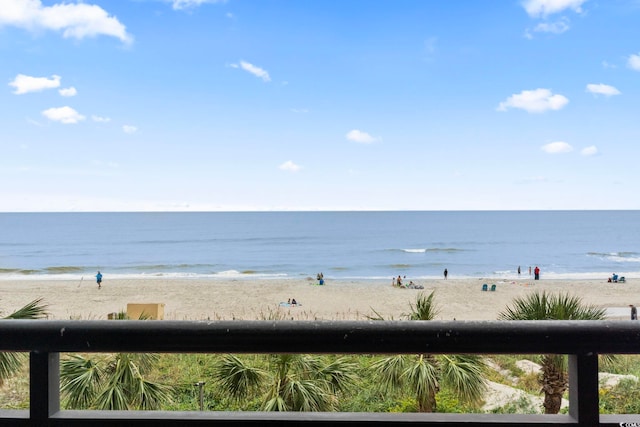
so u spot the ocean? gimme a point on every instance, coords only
(341, 245)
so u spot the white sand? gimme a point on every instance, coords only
(337, 300)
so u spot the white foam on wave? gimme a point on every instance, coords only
(415, 251)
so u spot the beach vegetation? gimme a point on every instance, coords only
(111, 382)
(424, 374)
(543, 306)
(115, 381)
(286, 382)
(12, 362)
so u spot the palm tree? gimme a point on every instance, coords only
(10, 362)
(423, 373)
(112, 382)
(540, 306)
(291, 382)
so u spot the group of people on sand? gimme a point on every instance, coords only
(320, 278)
(292, 301)
(397, 283)
(615, 279)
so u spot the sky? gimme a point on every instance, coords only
(205, 105)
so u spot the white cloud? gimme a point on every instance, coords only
(256, 71)
(557, 147)
(289, 166)
(538, 8)
(25, 84)
(557, 27)
(634, 62)
(75, 20)
(356, 135)
(129, 129)
(189, 4)
(602, 89)
(66, 115)
(534, 101)
(589, 151)
(100, 119)
(69, 91)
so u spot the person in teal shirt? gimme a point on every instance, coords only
(99, 279)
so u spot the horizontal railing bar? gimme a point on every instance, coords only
(162, 418)
(166, 418)
(356, 337)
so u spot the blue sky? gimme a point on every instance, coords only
(195, 105)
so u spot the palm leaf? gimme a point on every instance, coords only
(11, 362)
(307, 396)
(425, 308)
(274, 403)
(423, 377)
(149, 395)
(33, 310)
(112, 398)
(237, 378)
(464, 375)
(390, 370)
(81, 381)
(340, 375)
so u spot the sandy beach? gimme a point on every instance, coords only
(196, 299)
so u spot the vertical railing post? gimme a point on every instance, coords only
(44, 385)
(583, 389)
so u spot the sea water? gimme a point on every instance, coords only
(344, 245)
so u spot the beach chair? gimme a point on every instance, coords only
(493, 287)
(485, 287)
(622, 280)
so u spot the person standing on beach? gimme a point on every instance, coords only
(529, 270)
(536, 273)
(518, 270)
(634, 312)
(99, 279)
(446, 273)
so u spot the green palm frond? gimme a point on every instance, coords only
(111, 382)
(112, 398)
(340, 375)
(236, 377)
(567, 307)
(11, 362)
(423, 377)
(425, 308)
(390, 371)
(275, 403)
(81, 380)
(541, 306)
(307, 396)
(149, 396)
(464, 374)
(531, 307)
(303, 365)
(144, 362)
(33, 310)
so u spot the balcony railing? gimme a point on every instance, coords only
(583, 341)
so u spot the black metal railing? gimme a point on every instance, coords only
(583, 341)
